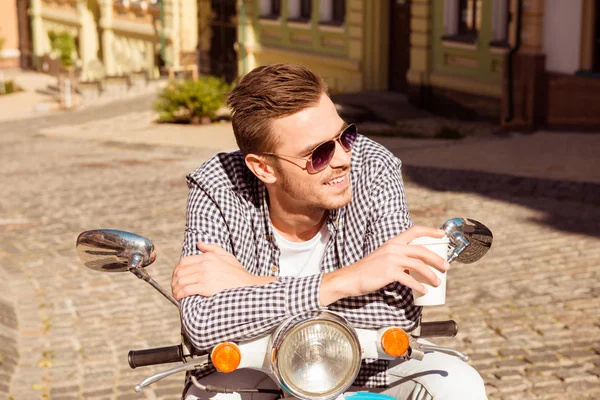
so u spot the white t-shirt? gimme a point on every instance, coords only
(302, 258)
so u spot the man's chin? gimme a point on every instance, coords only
(339, 201)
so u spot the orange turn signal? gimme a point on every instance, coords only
(394, 342)
(226, 357)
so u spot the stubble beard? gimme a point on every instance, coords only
(297, 191)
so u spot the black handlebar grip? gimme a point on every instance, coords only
(161, 355)
(439, 329)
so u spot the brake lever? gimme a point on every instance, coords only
(419, 349)
(196, 363)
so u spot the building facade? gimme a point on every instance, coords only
(556, 69)
(458, 48)
(118, 37)
(9, 35)
(524, 63)
(344, 41)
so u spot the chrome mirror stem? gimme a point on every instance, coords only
(135, 267)
(469, 239)
(461, 244)
(164, 293)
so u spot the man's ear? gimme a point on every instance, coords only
(261, 168)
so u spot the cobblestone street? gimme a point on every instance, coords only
(528, 313)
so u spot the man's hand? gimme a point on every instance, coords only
(211, 272)
(392, 262)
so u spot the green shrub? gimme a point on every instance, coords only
(8, 87)
(64, 44)
(191, 101)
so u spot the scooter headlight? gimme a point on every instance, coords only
(317, 358)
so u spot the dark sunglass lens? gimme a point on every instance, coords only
(322, 155)
(348, 137)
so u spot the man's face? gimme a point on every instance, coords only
(298, 135)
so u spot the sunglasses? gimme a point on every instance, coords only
(321, 155)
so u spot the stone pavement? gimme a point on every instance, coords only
(528, 312)
(557, 156)
(29, 102)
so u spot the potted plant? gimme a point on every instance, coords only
(63, 44)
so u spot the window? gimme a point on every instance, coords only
(270, 8)
(468, 24)
(500, 21)
(462, 20)
(305, 9)
(339, 11)
(332, 12)
(299, 10)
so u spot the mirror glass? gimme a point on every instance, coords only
(468, 231)
(111, 250)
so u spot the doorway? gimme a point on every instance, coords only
(25, 40)
(223, 29)
(399, 45)
(596, 39)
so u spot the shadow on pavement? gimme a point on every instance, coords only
(567, 205)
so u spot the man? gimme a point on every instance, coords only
(308, 214)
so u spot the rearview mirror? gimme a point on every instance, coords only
(470, 240)
(110, 250)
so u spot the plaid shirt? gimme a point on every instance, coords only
(228, 205)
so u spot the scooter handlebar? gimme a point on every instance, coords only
(439, 329)
(161, 355)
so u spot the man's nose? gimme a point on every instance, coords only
(341, 157)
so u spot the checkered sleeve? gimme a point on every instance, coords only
(388, 216)
(237, 314)
(204, 222)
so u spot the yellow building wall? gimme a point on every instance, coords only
(9, 34)
(352, 57)
(134, 43)
(204, 31)
(117, 37)
(473, 69)
(54, 17)
(340, 75)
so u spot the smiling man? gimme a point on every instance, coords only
(308, 214)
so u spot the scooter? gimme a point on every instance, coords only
(310, 356)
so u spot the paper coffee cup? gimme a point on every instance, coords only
(435, 296)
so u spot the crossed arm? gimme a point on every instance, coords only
(216, 270)
(221, 300)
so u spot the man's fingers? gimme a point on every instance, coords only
(210, 248)
(427, 274)
(417, 231)
(189, 290)
(189, 260)
(427, 256)
(187, 279)
(412, 283)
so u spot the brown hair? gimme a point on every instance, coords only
(267, 93)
